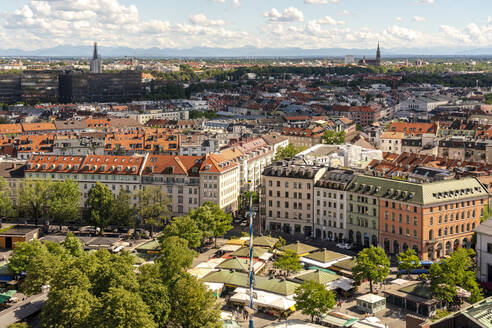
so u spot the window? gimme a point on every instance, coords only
(286, 204)
(400, 230)
(278, 183)
(431, 220)
(415, 233)
(489, 248)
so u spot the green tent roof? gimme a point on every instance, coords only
(4, 297)
(265, 241)
(235, 264)
(345, 264)
(325, 256)
(244, 252)
(228, 277)
(277, 286)
(319, 276)
(152, 245)
(299, 248)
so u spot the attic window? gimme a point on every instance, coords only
(207, 167)
(169, 170)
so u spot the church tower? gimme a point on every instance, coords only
(95, 62)
(378, 56)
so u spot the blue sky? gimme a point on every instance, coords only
(31, 24)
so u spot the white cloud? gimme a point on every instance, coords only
(419, 19)
(345, 12)
(290, 14)
(399, 19)
(201, 19)
(426, 1)
(329, 21)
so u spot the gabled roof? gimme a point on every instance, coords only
(299, 248)
(318, 276)
(325, 256)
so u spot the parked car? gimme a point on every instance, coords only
(344, 246)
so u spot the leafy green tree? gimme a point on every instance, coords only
(6, 208)
(186, 228)
(153, 207)
(211, 220)
(71, 307)
(314, 299)
(334, 138)
(23, 254)
(192, 305)
(408, 261)
(73, 245)
(371, 264)
(99, 205)
(122, 211)
(40, 271)
(288, 151)
(175, 257)
(456, 271)
(33, 197)
(156, 295)
(288, 262)
(121, 308)
(64, 201)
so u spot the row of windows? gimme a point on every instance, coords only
(400, 207)
(340, 196)
(297, 216)
(400, 218)
(329, 224)
(400, 230)
(286, 205)
(296, 185)
(452, 217)
(329, 204)
(452, 230)
(454, 205)
(329, 213)
(295, 195)
(363, 222)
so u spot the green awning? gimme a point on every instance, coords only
(4, 297)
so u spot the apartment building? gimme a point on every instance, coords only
(391, 142)
(362, 212)
(289, 194)
(484, 253)
(432, 218)
(330, 207)
(188, 180)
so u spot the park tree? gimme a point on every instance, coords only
(33, 197)
(288, 151)
(456, 271)
(185, 228)
(212, 220)
(122, 211)
(40, 271)
(175, 257)
(6, 208)
(371, 264)
(23, 254)
(153, 207)
(155, 294)
(408, 261)
(73, 245)
(99, 205)
(64, 201)
(71, 307)
(121, 308)
(288, 262)
(192, 305)
(334, 138)
(314, 299)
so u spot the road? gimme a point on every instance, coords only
(22, 310)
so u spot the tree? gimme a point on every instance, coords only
(288, 151)
(155, 294)
(186, 228)
(456, 271)
(23, 254)
(288, 262)
(120, 308)
(40, 271)
(334, 138)
(6, 209)
(192, 305)
(314, 299)
(99, 204)
(68, 308)
(64, 201)
(73, 245)
(371, 264)
(19, 325)
(34, 197)
(408, 261)
(153, 207)
(211, 220)
(122, 211)
(175, 257)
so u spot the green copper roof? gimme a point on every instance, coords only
(244, 252)
(325, 256)
(423, 194)
(319, 276)
(299, 248)
(264, 241)
(235, 264)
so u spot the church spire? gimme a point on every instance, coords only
(95, 56)
(378, 55)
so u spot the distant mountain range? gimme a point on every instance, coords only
(248, 51)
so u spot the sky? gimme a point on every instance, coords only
(310, 24)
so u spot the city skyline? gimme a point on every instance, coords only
(308, 24)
